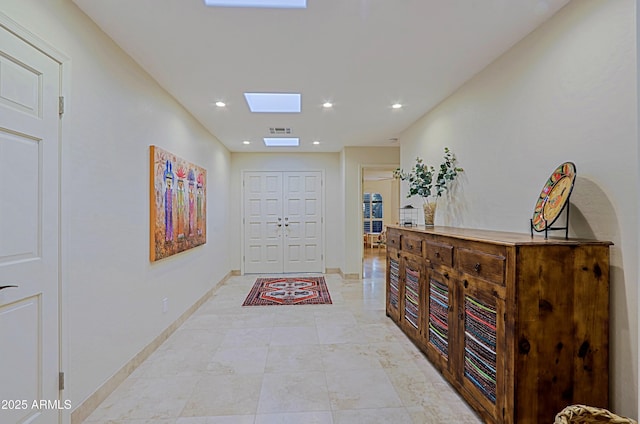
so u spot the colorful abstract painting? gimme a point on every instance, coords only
(178, 204)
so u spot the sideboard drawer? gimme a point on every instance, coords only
(439, 254)
(393, 240)
(412, 245)
(482, 265)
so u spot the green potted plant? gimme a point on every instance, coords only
(425, 182)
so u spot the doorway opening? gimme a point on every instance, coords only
(380, 196)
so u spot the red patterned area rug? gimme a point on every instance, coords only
(288, 291)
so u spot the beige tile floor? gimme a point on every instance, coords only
(344, 363)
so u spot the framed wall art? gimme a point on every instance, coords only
(178, 204)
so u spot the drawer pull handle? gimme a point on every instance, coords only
(6, 287)
(477, 267)
(524, 346)
(465, 283)
(437, 254)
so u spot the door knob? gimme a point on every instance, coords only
(6, 287)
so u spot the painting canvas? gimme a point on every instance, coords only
(178, 204)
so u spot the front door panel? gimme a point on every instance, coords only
(263, 222)
(283, 222)
(303, 222)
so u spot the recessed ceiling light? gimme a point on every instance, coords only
(246, 142)
(273, 102)
(221, 104)
(327, 105)
(396, 105)
(280, 4)
(316, 142)
(281, 142)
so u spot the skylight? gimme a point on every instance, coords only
(279, 4)
(281, 142)
(273, 102)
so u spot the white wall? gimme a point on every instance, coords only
(114, 111)
(353, 159)
(327, 162)
(566, 92)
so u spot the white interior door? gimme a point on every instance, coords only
(263, 222)
(302, 222)
(29, 152)
(283, 222)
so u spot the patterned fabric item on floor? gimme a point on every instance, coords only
(288, 291)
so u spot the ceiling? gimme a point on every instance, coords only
(361, 55)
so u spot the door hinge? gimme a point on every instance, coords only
(61, 381)
(60, 106)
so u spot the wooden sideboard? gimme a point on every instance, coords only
(518, 325)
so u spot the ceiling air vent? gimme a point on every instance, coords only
(279, 131)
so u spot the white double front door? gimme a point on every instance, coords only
(29, 233)
(283, 222)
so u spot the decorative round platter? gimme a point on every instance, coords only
(554, 196)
